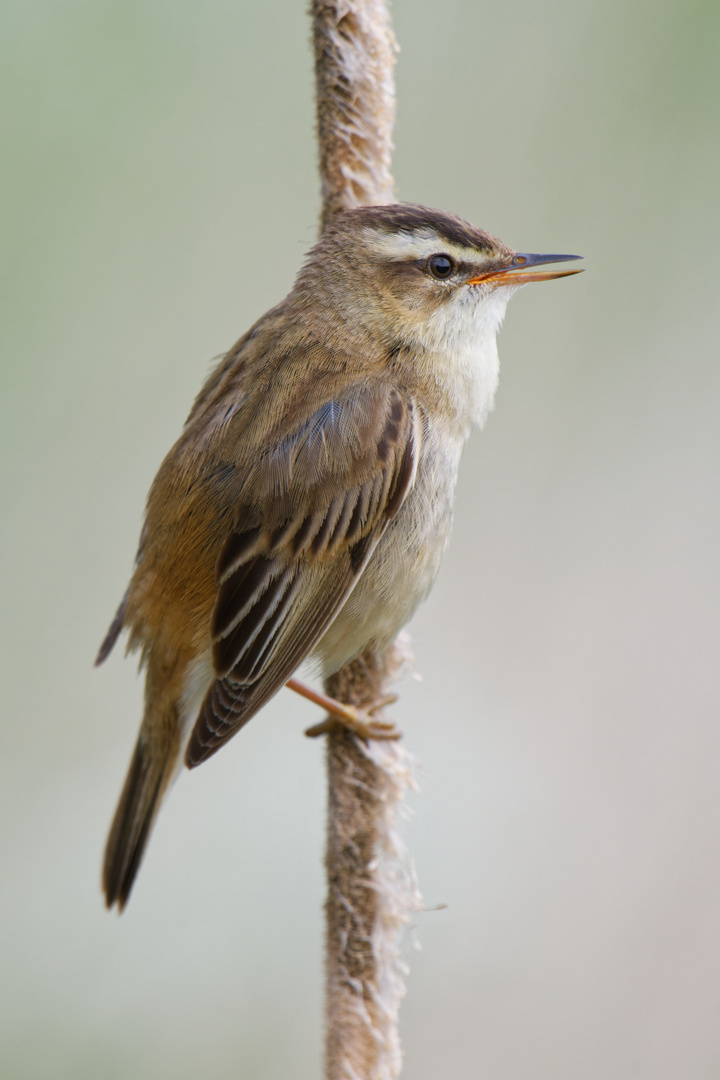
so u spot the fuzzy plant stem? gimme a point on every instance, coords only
(371, 883)
(355, 49)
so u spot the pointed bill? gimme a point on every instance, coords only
(516, 273)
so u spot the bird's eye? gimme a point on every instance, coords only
(440, 266)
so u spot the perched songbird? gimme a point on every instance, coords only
(306, 506)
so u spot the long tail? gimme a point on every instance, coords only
(151, 768)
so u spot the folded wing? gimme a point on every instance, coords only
(321, 498)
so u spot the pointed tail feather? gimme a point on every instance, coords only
(114, 632)
(151, 769)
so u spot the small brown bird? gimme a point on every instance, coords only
(306, 506)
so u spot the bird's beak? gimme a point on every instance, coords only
(515, 273)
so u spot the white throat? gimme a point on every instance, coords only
(463, 337)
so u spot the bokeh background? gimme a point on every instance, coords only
(158, 193)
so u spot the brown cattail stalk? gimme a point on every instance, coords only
(355, 51)
(371, 883)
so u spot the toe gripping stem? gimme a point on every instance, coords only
(360, 721)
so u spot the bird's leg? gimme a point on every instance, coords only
(359, 721)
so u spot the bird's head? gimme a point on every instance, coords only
(424, 275)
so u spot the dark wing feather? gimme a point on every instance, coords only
(330, 490)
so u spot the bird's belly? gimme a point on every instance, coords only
(403, 566)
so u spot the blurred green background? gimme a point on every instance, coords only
(159, 192)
